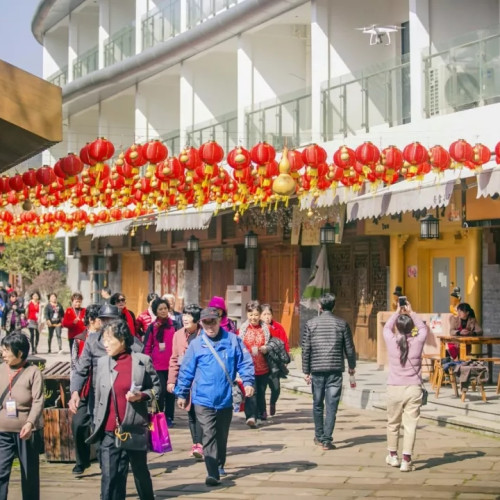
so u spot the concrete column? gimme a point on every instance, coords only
(72, 44)
(245, 84)
(141, 121)
(320, 63)
(183, 15)
(104, 23)
(396, 264)
(473, 270)
(141, 8)
(186, 102)
(419, 39)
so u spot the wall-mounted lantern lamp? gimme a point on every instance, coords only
(50, 255)
(251, 240)
(192, 244)
(108, 251)
(145, 248)
(77, 253)
(429, 228)
(327, 234)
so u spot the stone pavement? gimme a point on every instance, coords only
(279, 460)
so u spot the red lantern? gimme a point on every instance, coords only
(415, 154)
(211, 153)
(29, 178)
(314, 155)
(392, 158)
(190, 158)
(101, 150)
(239, 158)
(481, 155)
(16, 183)
(134, 156)
(497, 153)
(439, 158)
(85, 156)
(115, 213)
(154, 151)
(71, 165)
(344, 157)
(461, 151)
(58, 169)
(262, 153)
(295, 160)
(4, 184)
(45, 175)
(367, 154)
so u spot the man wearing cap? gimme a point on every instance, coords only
(87, 362)
(210, 360)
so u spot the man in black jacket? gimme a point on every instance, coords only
(327, 339)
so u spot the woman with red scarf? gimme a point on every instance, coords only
(119, 300)
(160, 336)
(73, 318)
(225, 322)
(255, 335)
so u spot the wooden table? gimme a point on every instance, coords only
(463, 342)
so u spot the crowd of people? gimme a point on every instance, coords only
(197, 360)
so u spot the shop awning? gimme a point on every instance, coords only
(406, 196)
(118, 228)
(488, 183)
(191, 218)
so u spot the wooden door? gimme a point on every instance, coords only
(135, 282)
(277, 285)
(217, 272)
(359, 281)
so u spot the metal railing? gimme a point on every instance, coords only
(86, 63)
(199, 11)
(161, 24)
(119, 46)
(288, 121)
(378, 96)
(173, 142)
(465, 75)
(59, 78)
(223, 129)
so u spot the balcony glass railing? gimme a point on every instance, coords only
(223, 129)
(287, 121)
(173, 142)
(86, 63)
(378, 96)
(199, 11)
(119, 46)
(465, 75)
(59, 78)
(161, 24)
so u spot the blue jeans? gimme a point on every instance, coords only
(326, 389)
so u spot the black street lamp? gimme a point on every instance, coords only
(429, 228)
(145, 248)
(192, 244)
(251, 240)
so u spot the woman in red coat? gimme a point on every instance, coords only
(33, 311)
(73, 318)
(277, 331)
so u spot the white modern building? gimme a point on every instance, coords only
(295, 72)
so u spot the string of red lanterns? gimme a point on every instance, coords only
(144, 179)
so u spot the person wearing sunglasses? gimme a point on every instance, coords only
(119, 300)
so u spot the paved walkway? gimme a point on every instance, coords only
(279, 460)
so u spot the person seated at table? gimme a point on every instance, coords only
(464, 324)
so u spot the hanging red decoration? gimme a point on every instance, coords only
(497, 153)
(296, 162)
(344, 157)
(415, 154)
(481, 155)
(211, 153)
(16, 183)
(461, 151)
(71, 165)
(101, 150)
(45, 175)
(134, 156)
(239, 158)
(314, 155)
(154, 152)
(367, 154)
(29, 178)
(439, 159)
(85, 155)
(262, 153)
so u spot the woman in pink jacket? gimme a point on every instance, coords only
(182, 338)
(160, 336)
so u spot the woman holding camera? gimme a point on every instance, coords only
(404, 384)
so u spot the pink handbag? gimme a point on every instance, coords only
(159, 436)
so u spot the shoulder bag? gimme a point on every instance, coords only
(238, 395)
(425, 393)
(128, 437)
(14, 380)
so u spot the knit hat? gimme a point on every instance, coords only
(219, 303)
(398, 291)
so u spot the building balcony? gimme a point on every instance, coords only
(465, 75)
(60, 78)
(119, 46)
(86, 63)
(161, 24)
(223, 129)
(200, 10)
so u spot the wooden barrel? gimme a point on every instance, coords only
(57, 434)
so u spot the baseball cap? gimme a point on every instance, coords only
(209, 313)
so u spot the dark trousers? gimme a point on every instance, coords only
(275, 387)
(27, 450)
(215, 426)
(114, 471)
(80, 426)
(255, 406)
(34, 339)
(57, 330)
(166, 400)
(194, 426)
(326, 389)
(71, 341)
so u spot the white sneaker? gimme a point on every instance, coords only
(406, 466)
(392, 460)
(61, 352)
(251, 423)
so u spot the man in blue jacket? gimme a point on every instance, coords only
(202, 373)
